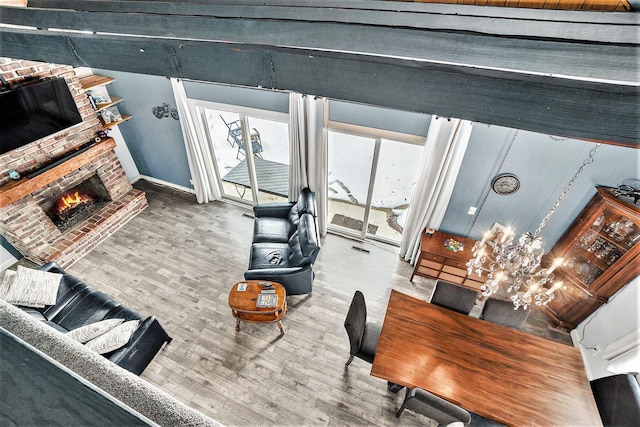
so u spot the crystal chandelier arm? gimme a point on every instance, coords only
(586, 162)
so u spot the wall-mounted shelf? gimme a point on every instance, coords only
(114, 101)
(95, 81)
(125, 117)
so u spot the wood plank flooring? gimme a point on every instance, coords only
(177, 260)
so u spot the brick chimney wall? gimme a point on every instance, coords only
(41, 151)
(23, 223)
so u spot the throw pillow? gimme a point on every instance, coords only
(33, 288)
(93, 330)
(115, 338)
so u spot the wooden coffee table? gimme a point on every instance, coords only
(244, 304)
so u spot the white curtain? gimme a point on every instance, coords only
(444, 149)
(308, 151)
(297, 145)
(199, 151)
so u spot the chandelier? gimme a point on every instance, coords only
(516, 266)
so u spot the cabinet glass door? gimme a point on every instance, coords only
(610, 236)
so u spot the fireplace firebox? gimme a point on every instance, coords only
(77, 204)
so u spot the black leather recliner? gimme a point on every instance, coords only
(276, 222)
(286, 243)
(78, 305)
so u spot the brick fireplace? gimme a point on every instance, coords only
(25, 204)
(23, 207)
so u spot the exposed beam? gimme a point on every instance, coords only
(616, 28)
(372, 5)
(600, 5)
(538, 103)
(581, 60)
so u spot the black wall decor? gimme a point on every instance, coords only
(165, 110)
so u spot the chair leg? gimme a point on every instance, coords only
(349, 361)
(393, 387)
(404, 402)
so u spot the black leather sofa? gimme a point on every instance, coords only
(618, 400)
(285, 244)
(78, 305)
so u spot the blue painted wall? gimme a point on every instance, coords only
(245, 97)
(156, 145)
(545, 166)
(379, 117)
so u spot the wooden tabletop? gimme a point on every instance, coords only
(245, 301)
(500, 373)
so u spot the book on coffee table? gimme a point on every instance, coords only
(267, 300)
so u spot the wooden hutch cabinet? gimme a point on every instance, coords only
(600, 252)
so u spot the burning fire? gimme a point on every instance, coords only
(69, 201)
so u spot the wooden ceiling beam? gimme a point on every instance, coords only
(539, 103)
(573, 26)
(578, 60)
(584, 5)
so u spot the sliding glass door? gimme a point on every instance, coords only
(370, 184)
(251, 149)
(349, 164)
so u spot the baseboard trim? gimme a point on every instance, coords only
(164, 183)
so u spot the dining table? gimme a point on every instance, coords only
(503, 374)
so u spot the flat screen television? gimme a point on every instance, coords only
(36, 110)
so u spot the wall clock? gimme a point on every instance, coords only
(505, 183)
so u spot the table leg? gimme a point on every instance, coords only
(281, 328)
(237, 325)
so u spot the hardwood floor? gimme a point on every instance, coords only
(177, 261)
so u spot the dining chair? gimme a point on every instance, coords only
(480, 421)
(363, 335)
(434, 407)
(453, 297)
(502, 312)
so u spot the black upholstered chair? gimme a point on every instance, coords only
(618, 400)
(480, 421)
(453, 297)
(276, 222)
(434, 407)
(363, 335)
(502, 312)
